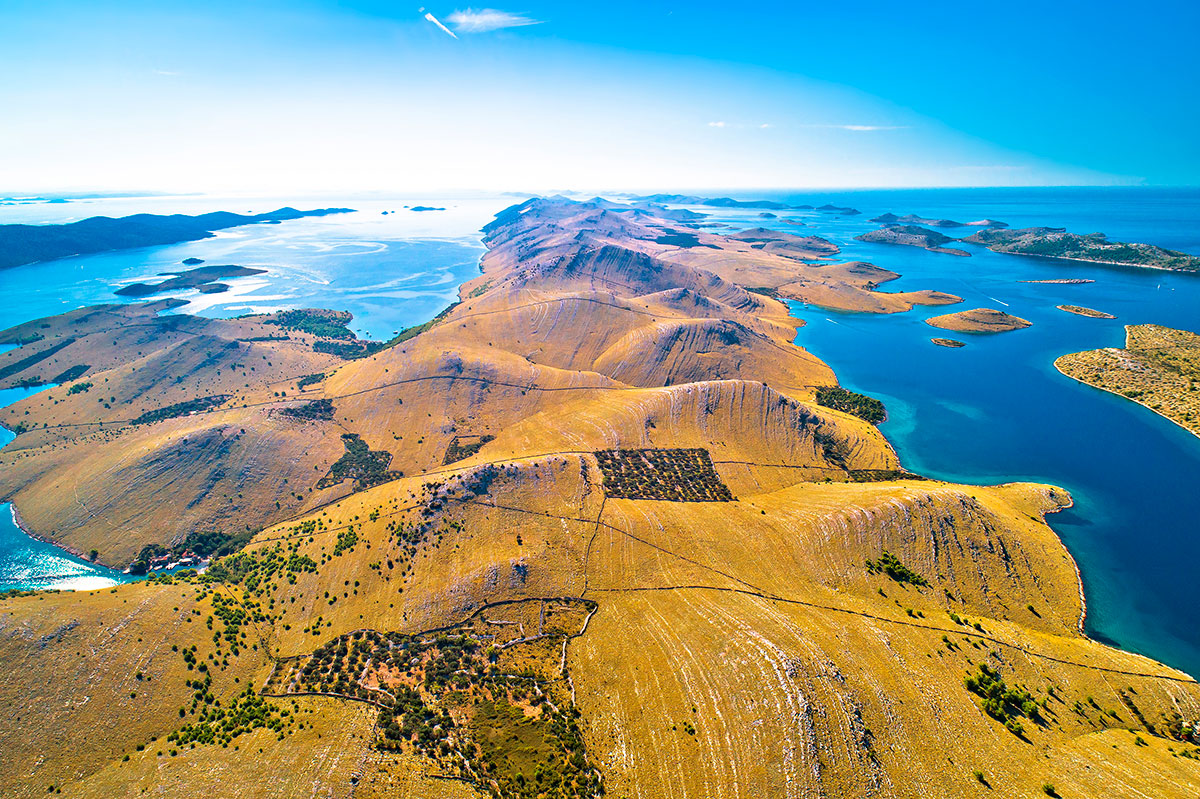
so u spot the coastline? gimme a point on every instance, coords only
(1093, 261)
(20, 524)
(1127, 399)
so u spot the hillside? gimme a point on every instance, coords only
(601, 525)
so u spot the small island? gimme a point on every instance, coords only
(1061, 281)
(1079, 310)
(202, 278)
(1158, 368)
(912, 236)
(1050, 242)
(948, 342)
(979, 320)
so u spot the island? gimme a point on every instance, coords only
(26, 244)
(838, 209)
(714, 202)
(1050, 242)
(912, 236)
(1079, 310)
(948, 342)
(913, 219)
(979, 320)
(202, 278)
(426, 208)
(494, 557)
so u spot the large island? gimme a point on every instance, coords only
(500, 557)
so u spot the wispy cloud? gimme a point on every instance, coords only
(485, 20)
(164, 72)
(437, 22)
(859, 128)
(724, 124)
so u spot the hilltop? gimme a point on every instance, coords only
(600, 523)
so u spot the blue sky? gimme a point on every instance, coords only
(366, 95)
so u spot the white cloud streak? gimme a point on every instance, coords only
(486, 20)
(437, 22)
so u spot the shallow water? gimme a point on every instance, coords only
(390, 270)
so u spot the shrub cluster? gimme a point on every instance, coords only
(675, 475)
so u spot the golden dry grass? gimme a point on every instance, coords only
(738, 648)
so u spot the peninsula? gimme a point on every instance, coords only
(26, 244)
(495, 558)
(1159, 367)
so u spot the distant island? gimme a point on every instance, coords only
(202, 277)
(426, 208)
(913, 219)
(27, 244)
(912, 236)
(979, 320)
(1079, 310)
(948, 342)
(1158, 368)
(716, 202)
(1050, 242)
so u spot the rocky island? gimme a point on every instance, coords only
(912, 236)
(979, 320)
(1079, 310)
(497, 558)
(1048, 242)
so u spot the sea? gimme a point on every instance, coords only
(994, 411)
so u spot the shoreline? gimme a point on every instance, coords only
(1127, 399)
(1092, 261)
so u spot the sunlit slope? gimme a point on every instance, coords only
(771, 605)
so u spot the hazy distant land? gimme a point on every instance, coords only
(26, 244)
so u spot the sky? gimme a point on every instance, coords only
(363, 95)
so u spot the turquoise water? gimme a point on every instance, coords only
(997, 410)
(391, 270)
(26, 563)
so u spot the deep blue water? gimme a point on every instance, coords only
(997, 410)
